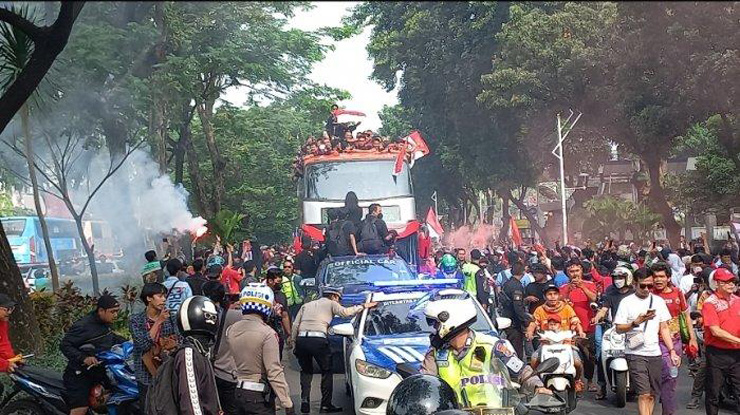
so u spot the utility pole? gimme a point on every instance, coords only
(564, 128)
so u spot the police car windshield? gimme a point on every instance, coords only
(362, 271)
(406, 316)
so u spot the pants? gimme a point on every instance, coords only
(700, 378)
(667, 383)
(308, 349)
(251, 403)
(226, 393)
(515, 336)
(721, 364)
(588, 352)
(143, 389)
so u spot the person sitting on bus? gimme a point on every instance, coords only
(349, 141)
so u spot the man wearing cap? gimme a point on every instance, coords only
(83, 370)
(722, 338)
(310, 336)
(8, 359)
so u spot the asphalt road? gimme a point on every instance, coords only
(586, 405)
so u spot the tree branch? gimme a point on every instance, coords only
(111, 171)
(26, 26)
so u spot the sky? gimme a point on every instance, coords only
(347, 67)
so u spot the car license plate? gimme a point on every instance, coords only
(491, 411)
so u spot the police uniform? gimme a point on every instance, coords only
(466, 369)
(513, 307)
(254, 346)
(312, 343)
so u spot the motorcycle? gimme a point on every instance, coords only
(614, 363)
(493, 393)
(45, 388)
(561, 380)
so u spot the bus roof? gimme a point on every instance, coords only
(357, 155)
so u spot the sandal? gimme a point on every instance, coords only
(600, 395)
(593, 388)
(579, 386)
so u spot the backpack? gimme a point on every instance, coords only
(338, 244)
(160, 399)
(371, 242)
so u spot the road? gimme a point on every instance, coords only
(586, 406)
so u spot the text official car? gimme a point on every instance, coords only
(392, 333)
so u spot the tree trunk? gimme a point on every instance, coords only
(24, 329)
(196, 182)
(47, 45)
(90, 255)
(37, 198)
(503, 235)
(532, 219)
(659, 202)
(205, 111)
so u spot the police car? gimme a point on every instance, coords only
(378, 339)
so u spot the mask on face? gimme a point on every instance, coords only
(619, 283)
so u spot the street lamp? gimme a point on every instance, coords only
(564, 128)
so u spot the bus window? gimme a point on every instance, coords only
(14, 227)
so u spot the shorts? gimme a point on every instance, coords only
(645, 374)
(576, 355)
(77, 386)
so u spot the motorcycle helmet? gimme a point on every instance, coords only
(198, 316)
(448, 264)
(450, 312)
(623, 272)
(421, 395)
(257, 298)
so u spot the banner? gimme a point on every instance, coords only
(433, 224)
(415, 146)
(516, 236)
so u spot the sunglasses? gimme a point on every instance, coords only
(646, 286)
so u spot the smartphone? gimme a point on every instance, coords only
(651, 310)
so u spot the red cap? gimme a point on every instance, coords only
(723, 274)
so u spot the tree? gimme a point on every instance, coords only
(16, 49)
(664, 63)
(61, 169)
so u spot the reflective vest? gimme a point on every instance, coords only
(469, 373)
(469, 284)
(291, 292)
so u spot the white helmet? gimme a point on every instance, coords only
(450, 312)
(623, 271)
(257, 297)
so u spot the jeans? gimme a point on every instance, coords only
(667, 383)
(600, 375)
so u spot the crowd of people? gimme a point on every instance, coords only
(669, 304)
(225, 319)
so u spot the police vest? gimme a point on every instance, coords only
(291, 292)
(470, 374)
(469, 283)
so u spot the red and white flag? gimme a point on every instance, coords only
(433, 224)
(348, 116)
(415, 146)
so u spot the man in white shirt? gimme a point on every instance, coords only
(644, 317)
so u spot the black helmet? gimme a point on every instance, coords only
(198, 316)
(421, 395)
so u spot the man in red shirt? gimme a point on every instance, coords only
(676, 303)
(580, 294)
(8, 359)
(232, 275)
(721, 314)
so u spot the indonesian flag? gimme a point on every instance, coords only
(433, 224)
(516, 236)
(415, 146)
(348, 116)
(297, 243)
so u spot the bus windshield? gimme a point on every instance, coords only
(368, 179)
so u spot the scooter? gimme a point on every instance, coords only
(45, 388)
(614, 363)
(562, 380)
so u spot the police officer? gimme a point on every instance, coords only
(458, 353)
(310, 336)
(513, 307)
(257, 357)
